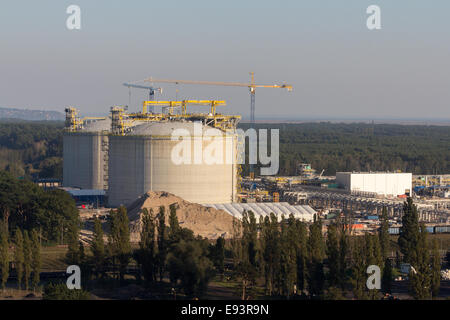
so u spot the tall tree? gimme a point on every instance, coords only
(98, 248)
(246, 268)
(162, 242)
(358, 270)
(409, 231)
(120, 239)
(288, 256)
(343, 253)
(218, 255)
(435, 269)
(73, 251)
(27, 258)
(384, 234)
(333, 255)
(35, 258)
(174, 225)
(18, 256)
(147, 252)
(4, 257)
(316, 249)
(386, 281)
(420, 275)
(302, 256)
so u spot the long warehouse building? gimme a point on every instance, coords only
(382, 183)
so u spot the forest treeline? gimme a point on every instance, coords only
(336, 147)
(34, 149)
(31, 149)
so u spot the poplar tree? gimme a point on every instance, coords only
(288, 259)
(420, 275)
(162, 242)
(73, 251)
(358, 270)
(409, 231)
(343, 254)
(98, 247)
(147, 252)
(120, 239)
(384, 234)
(219, 255)
(271, 251)
(174, 225)
(4, 257)
(436, 269)
(27, 258)
(386, 281)
(333, 256)
(246, 268)
(316, 275)
(35, 258)
(18, 256)
(302, 256)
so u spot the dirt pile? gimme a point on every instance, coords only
(206, 222)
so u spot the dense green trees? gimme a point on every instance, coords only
(26, 257)
(362, 147)
(26, 206)
(31, 148)
(35, 148)
(187, 262)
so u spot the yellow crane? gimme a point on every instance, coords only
(251, 86)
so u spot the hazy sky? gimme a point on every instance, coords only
(339, 68)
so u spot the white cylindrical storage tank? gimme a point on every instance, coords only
(195, 168)
(85, 156)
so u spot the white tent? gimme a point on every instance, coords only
(302, 212)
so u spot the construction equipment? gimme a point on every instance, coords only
(183, 104)
(74, 122)
(320, 175)
(251, 86)
(151, 92)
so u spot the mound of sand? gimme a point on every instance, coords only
(206, 222)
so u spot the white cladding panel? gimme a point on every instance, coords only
(382, 183)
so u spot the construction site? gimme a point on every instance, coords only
(119, 158)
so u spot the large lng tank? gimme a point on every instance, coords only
(148, 158)
(85, 154)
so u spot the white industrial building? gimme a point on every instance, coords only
(383, 183)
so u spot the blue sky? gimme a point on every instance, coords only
(339, 68)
